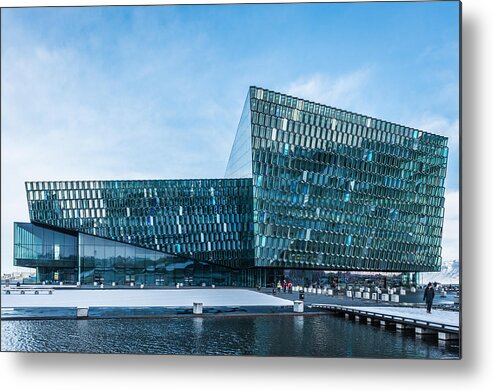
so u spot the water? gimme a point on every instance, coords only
(321, 336)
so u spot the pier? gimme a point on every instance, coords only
(445, 324)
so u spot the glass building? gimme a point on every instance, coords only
(308, 187)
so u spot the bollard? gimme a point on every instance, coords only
(301, 294)
(197, 308)
(298, 306)
(82, 312)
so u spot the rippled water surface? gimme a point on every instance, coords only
(326, 336)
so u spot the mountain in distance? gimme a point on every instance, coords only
(448, 275)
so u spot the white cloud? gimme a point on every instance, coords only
(346, 91)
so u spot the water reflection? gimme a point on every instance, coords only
(298, 323)
(198, 325)
(322, 336)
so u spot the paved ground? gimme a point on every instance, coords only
(144, 298)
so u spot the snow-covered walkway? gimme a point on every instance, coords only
(144, 298)
(450, 318)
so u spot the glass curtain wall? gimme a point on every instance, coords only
(52, 253)
(104, 261)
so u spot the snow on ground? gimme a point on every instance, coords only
(450, 318)
(144, 298)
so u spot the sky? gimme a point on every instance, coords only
(157, 92)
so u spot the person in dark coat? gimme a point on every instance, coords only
(428, 297)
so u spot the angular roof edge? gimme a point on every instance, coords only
(345, 111)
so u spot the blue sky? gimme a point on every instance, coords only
(157, 92)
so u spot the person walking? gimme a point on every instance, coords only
(428, 296)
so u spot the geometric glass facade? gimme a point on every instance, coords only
(307, 186)
(339, 190)
(205, 219)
